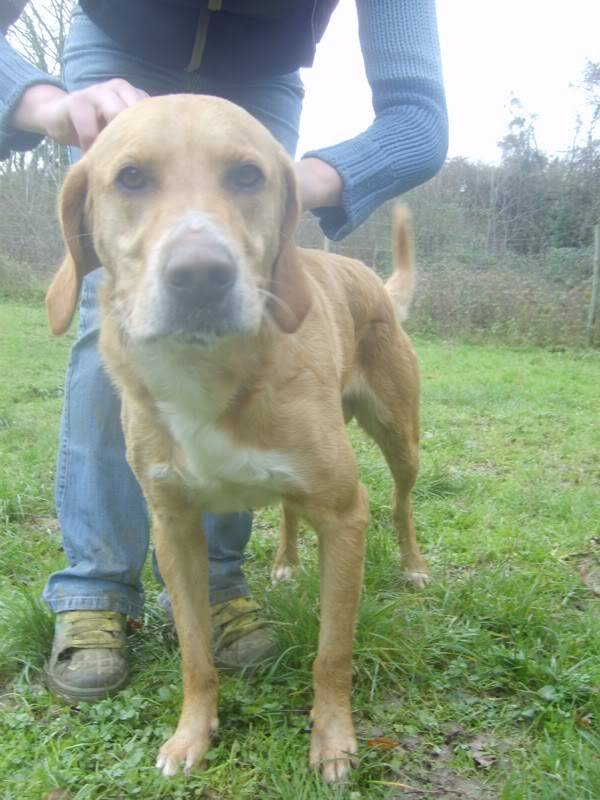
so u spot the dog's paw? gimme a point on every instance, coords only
(418, 580)
(184, 750)
(282, 573)
(332, 750)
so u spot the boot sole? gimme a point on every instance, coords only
(75, 696)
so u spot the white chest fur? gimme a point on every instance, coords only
(222, 474)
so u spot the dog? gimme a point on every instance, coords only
(239, 357)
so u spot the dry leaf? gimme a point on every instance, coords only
(383, 743)
(590, 575)
(480, 754)
(583, 720)
(49, 524)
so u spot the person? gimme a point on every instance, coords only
(249, 52)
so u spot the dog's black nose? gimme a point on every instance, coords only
(198, 271)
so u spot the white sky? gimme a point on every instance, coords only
(491, 49)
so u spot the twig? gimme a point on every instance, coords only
(416, 790)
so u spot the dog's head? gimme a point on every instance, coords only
(191, 206)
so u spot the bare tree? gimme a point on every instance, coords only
(40, 32)
(39, 36)
(30, 180)
(591, 85)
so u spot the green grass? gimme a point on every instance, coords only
(485, 685)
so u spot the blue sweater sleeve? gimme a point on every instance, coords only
(16, 75)
(408, 140)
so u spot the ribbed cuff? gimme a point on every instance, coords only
(366, 183)
(405, 146)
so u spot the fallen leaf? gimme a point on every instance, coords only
(49, 524)
(590, 575)
(583, 720)
(383, 743)
(57, 794)
(480, 753)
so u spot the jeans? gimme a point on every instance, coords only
(100, 506)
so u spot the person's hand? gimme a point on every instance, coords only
(319, 183)
(74, 118)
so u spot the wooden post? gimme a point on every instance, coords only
(595, 285)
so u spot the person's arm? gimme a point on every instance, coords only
(74, 118)
(408, 140)
(16, 77)
(320, 185)
(33, 104)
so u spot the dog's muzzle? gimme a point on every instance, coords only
(198, 272)
(199, 279)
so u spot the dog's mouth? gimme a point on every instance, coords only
(200, 329)
(204, 338)
(160, 319)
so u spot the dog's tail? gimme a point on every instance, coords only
(401, 283)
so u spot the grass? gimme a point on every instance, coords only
(485, 685)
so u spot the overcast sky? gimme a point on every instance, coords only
(491, 49)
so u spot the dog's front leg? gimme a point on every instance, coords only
(341, 552)
(183, 561)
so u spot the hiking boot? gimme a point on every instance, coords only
(89, 655)
(242, 640)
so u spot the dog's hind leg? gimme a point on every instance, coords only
(286, 559)
(387, 409)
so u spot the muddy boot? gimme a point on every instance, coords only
(89, 655)
(242, 639)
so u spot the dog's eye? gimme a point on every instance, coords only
(246, 177)
(132, 179)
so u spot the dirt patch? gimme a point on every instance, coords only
(47, 525)
(8, 699)
(420, 769)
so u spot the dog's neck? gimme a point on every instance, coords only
(204, 381)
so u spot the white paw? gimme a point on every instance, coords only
(184, 750)
(332, 752)
(418, 580)
(282, 573)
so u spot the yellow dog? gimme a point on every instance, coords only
(239, 357)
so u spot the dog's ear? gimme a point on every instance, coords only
(289, 284)
(80, 258)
